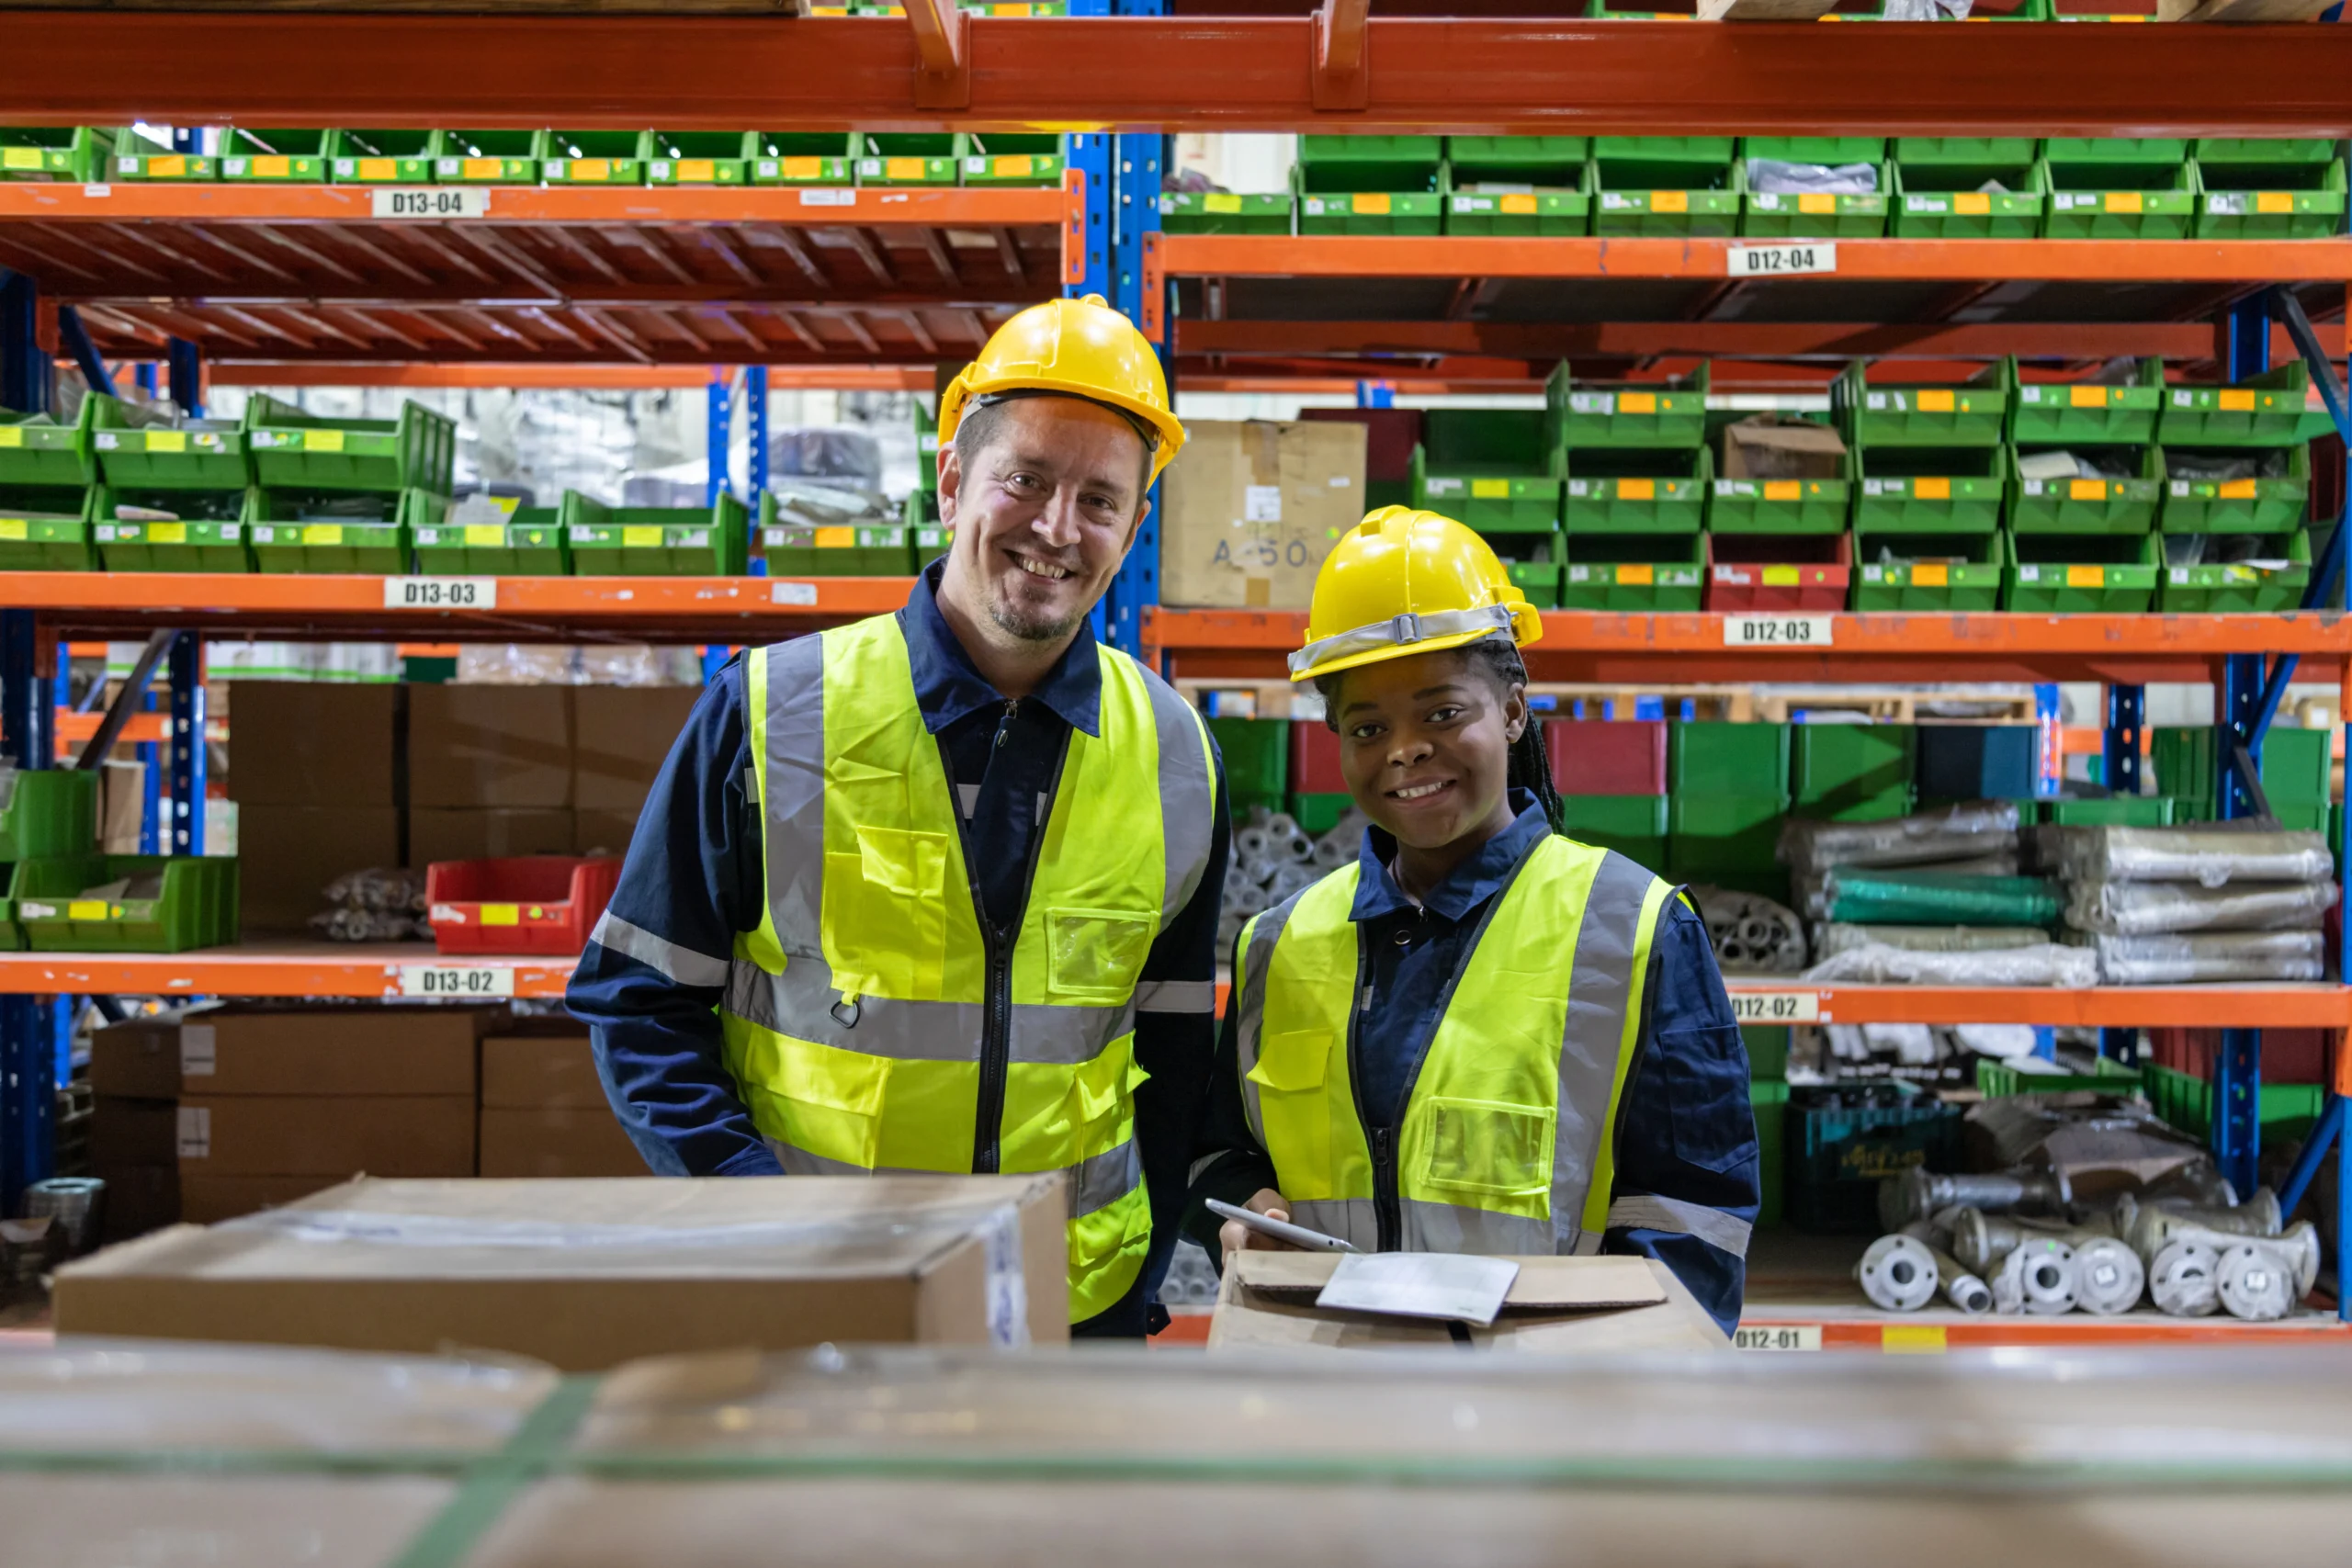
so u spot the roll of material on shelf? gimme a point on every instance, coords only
(2157, 908)
(1915, 897)
(2220, 956)
(1837, 937)
(1877, 964)
(2211, 857)
(1957, 832)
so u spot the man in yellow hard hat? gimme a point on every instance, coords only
(938, 891)
(1482, 1036)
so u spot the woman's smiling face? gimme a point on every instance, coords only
(1425, 744)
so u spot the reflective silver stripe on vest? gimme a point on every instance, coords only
(1187, 794)
(1644, 1210)
(680, 965)
(1353, 1220)
(1600, 987)
(1451, 1227)
(799, 1003)
(1265, 932)
(1176, 995)
(794, 811)
(1095, 1183)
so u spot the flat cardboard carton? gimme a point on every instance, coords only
(1766, 448)
(288, 1134)
(132, 1131)
(338, 1052)
(1557, 1306)
(603, 832)
(139, 1198)
(476, 746)
(209, 1199)
(1253, 508)
(138, 1059)
(621, 736)
(551, 1070)
(122, 806)
(442, 833)
(551, 1140)
(312, 743)
(587, 1274)
(289, 853)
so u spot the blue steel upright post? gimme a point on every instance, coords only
(187, 744)
(27, 1040)
(755, 418)
(2127, 718)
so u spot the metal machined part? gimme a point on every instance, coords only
(2183, 1279)
(1898, 1273)
(1917, 1194)
(2257, 1282)
(2151, 1227)
(1982, 1240)
(2109, 1278)
(2038, 1277)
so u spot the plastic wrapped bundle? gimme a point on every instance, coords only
(1926, 898)
(1834, 938)
(1957, 832)
(2155, 908)
(2209, 856)
(1814, 898)
(2228, 955)
(1877, 963)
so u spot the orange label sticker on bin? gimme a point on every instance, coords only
(1490, 489)
(1670, 201)
(1636, 574)
(2087, 397)
(1368, 202)
(86, 910)
(167, 441)
(1971, 203)
(167, 532)
(1637, 489)
(1782, 489)
(480, 168)
(275, 167)
(502, 914)
(1783, 577)
(903, 168)
(379, 169)
(2237, 490)
(803, 168)
(2086, 489)
(2087, 577)
(2122, 201)
(1013, 166)
(1220, 201)
(170, 168)
(2233, 400)
(322, 440)
(1931, 489)
(1523, 204)
(591, 168)
(643, 537)
(1637, 402)
(1932, 574)
(1935, 401)
(2274, 201)
(1816, 201)
(701, 171)
(836, 538)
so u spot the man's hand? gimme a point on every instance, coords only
(1234, 1237)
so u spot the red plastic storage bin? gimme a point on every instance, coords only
(1775, 572)
(1315, 759)
(543, 905)
(1592, 756)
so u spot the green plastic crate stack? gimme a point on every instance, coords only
(1728, 794)
(1633, 507)
(800, 158)
(2268, 188)
(594, 157)
(170, 497)
(398, 157)
(333, 494)
(1010, 158)
(184, 453)
(2296, 765)
(1256, 762)
(656, 541)
(1931, 481)
(2286, 1110)
(133, 158)
(1820, 214)
(46, 492)
(907, 158)
(1666, 185)
(37, 450)
(314, 530)
(46, 812)
(1499, 471)
(91, 903)
(700, 158)
(1369, 185)
(274, 156)
(1224, 212)
(2105, 413)
(1851, 773)
(73, 152)
(793, 548)
(1742, 502)
(2119, 188)
(1967, 188)
(2237, 490)
(1633, 825)
(1518, 185)
(2277, 408)
(488, 157)
(521, 541)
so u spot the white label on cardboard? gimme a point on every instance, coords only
(1780, 261)
(196, 1131)
(799, 594)
(467, 980)
(1460, 1286)
(1776, 1007)
(197, 1056)
(1778, 1336)
(1777, 631)
(430, 203)
(438, 593)
(1262, 503)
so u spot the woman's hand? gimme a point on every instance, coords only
(1234, 1237)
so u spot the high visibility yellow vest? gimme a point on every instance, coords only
(871, 1023)
(1505, 1144)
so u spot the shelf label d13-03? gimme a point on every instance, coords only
(1778, 631)
(431, 204)
(467, 980)
(440, 593)
(1776, 1007)
(1780, 261)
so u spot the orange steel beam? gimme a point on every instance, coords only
(1759, 340)
(73, 728)
(942, 38)
(1339, 77)
(871, 206)
(287, 969)
(1909, 1333)
(389, 373)
(1466, 75)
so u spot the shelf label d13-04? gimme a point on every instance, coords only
(467, 980)
(1780, 261)
(1776, 1007)
(440, 593)
(1778, 631)
(430, 203)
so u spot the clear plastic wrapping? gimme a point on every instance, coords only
(2226, 955)
(1876, 964)
(2212, 856)
(1957, 832)
(2153, 908)
(1837, 937)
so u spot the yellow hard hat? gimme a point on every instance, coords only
(1078, 348)
(1403, 583)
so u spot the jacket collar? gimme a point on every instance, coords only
(948, 687)
(1470, 885)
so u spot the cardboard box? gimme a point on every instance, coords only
(439, 833)
(122, 808)
(208, 1200)
(769, 1263)
(547, 1142)
(139, 1058)
(139, 1198)
(476, 746)
(287, 1135)
(336, 1052)
(289, 853)
(310, 743)
(603, 832)
(1253, 508)
(125, 1132)
(1557, 1306)
(1765, 446)
(551, 1068)
(621, 735)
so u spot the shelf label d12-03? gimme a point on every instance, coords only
(430, 203)
(467, 980)
(1780, 261)
(440, 593)
(1778, 631)
(1776, 1007)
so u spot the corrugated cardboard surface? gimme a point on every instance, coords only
(139, 1198)
(372, 1050)
(126, 1132)
(549, 1071)
(553, 1142)
(440, 832)
(286, 1134)
(620, 736)
(1253, 507)
(479, 746)
(311, 743)
(139, 1058)
(603, 832)
(849, 1259)
(209, 1199)
(122, 806)
(287, 854)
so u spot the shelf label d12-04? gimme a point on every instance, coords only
(1778, 631)
(440, 593)
(466, 980)
(430, 203)
(1780, 261)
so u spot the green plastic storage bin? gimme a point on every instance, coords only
(1372, 212)
(1715, 757)
(1767, 1052)
(656, 541)
(49, 811)
(529, 543)
(2285, 1110)
(2081, 573)
(2264, 504)
(1014, 158)
(2048, 415)
(1932, 490)
(1633, 490)
(1626, 413)
(1834, 767)
(1256, 753)
(206, 534)
(1497, 471)
(1555, 210)
(1633, 825)
(1642, 572)
(302, 451)
(394, 157)
(69, 152)
(2079, 505)
(700, 158)
(907, 158)
(801, 158)
(1553, 160)
(194, 903)
(1927, 571)
(203, 453)
(488, 157)
(35, 450)
(274, 156)
(1837, 1157)
(1815, 215)
(1998, 1080)
(2101, 200)
(1319, 814)
(1222, 213)
(1936, 198)
(1351, 162)
(595, 157)
(2269, 201)
(1709, 836)
(332, 531)
(136, 159)
(1667, 185)
(796, 549)
(1779, 506)
(2273, 409)
(1532, 561)
(2265, 151)
(46, 528)
(1832, 151)
(1884, 410)
(2271, 582)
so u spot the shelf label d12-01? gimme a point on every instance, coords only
(1776, 1007)
(1777, 1336)
(1778, 631)
(466, 980)
(1780, 261)
(440, 593)
(431, 204)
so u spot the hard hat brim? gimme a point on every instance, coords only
(1404, 636)
(1383, 655)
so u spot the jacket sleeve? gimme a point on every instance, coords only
(1227, 1163)
(1687, 1160)
(650, 984)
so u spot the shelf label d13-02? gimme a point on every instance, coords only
(1778, 631)
(1780, 261)
(467, 980)
(1776, 1007)
(440, 593)
(431, 204)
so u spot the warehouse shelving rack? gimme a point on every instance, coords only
(312, 282)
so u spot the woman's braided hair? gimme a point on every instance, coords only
(1530, 760)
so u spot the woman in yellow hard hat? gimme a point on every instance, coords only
(1481, 1036)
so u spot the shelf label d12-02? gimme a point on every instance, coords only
(471, 981)
(440, 593)
(1780, 261)
(429, 204)
(1776, 1007)
(1778, 631)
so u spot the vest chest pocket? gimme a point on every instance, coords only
(1093, 956)
(885, 920)
(1490, 1146)
(1293, 1109)
(833, 1101)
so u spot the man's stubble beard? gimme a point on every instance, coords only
(1014, 623)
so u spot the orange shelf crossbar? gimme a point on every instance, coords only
(293, 968)
(1909, 1335)
(73, 728)
(870, 207)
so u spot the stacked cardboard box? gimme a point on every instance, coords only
(135, 1082)
(543, 1108)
